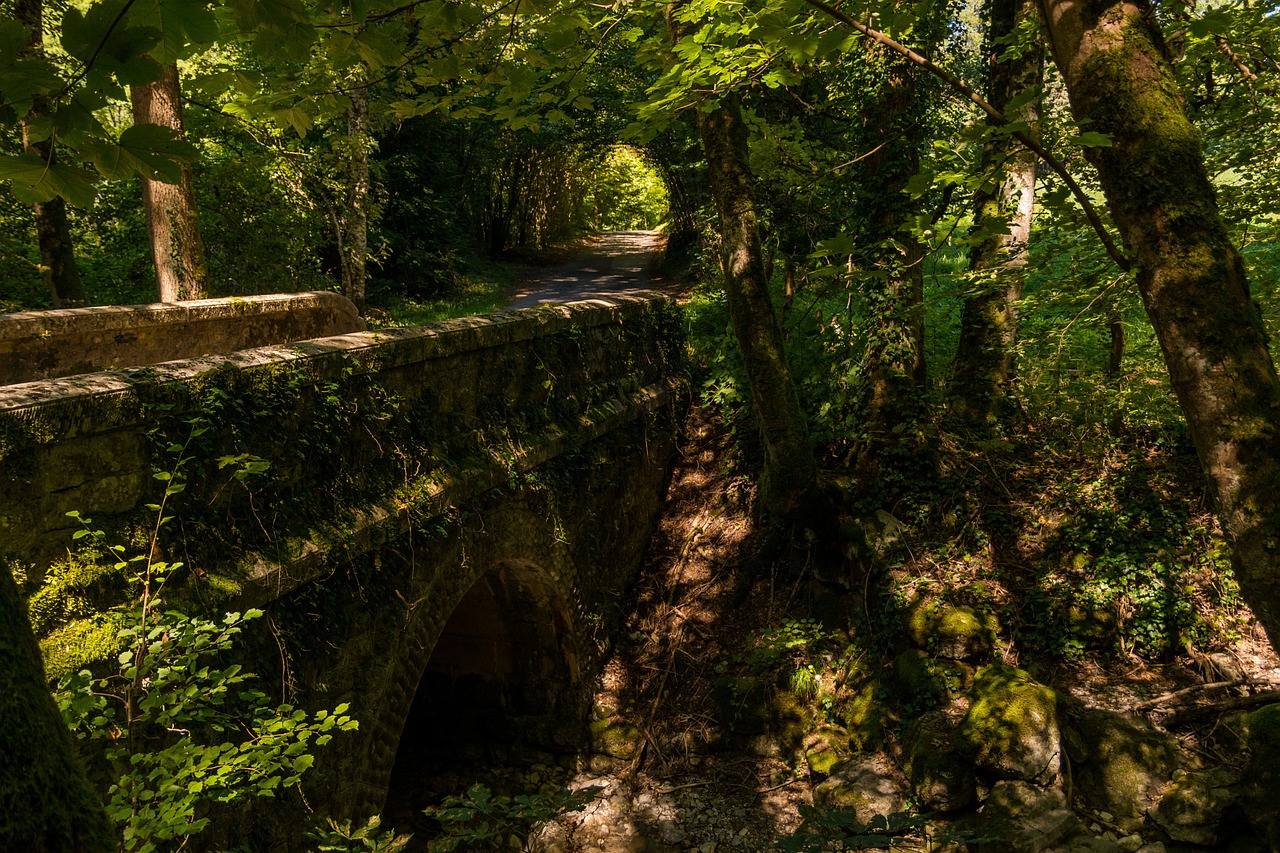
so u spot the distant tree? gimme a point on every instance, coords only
(1002, 210)
(53, 233)
(789, 471)
(172, 220)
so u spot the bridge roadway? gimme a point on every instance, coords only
(435, 517)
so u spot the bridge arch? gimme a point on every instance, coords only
(505, 671)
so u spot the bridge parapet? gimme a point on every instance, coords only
(38, 345)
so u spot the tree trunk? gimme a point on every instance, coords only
(49, 805)
(354, 220)
(1189, 274)
(176, 246)
(1115, 373)
(894, 369)
(983, 368)
(53, 234)
(788, 465)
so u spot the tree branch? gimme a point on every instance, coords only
(993, 114)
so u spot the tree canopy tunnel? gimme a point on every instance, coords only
(629, 192)
(503, 686)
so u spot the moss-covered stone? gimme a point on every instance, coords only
(948, 630)
(1262, 774)
(791, 721)
(864, 718)
(81, 644)
(616, 738)
(825, 748)
(941, 776)
(1096, 625)
(1128, 764)
(1012, 726)
(867, 786)
(1019, 817)
(916, 683)
(1193, 805)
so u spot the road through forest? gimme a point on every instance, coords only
(618, 262)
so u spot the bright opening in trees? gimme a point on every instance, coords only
(628, 193)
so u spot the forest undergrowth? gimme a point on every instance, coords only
(1096, 554)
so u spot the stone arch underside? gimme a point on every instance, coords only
(505, 671)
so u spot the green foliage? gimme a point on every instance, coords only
(627, 193)
(346, 837)
(831, 829)
(178, 727)
(481, 820)
(788, 638)
(185, 729)
(1138, 570)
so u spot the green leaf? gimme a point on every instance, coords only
(33, 180)
(104, 38)
(183, 25)
(1093, 139)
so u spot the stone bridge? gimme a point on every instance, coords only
(441, 522)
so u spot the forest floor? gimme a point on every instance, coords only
(672, 777)
(687, 787)
(693, 785)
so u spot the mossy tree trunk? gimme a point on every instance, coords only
(172, 224)
(789, 471)
(787, 482)
(894, 370)
(1190, 276)
(49, 806)
(53, 232)
(983, 369)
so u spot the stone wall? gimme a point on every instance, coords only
(361, 487)
(48, 344)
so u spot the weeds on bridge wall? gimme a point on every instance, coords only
(177, 727)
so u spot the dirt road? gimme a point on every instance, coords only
(618, 262)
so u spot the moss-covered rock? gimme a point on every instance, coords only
(825, 748)
(866, 785)
(1019, 817)
(916, 683)
(1262, 774)
(616, 738)
(864, 718)
(1096, 625)
(1012, 726)
(1128, 764)
(790, 722)
(955, 631)
(941, 776)
(1192, 807)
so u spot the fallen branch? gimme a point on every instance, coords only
(674, 788)
(1174, 696)
(1236, 704)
